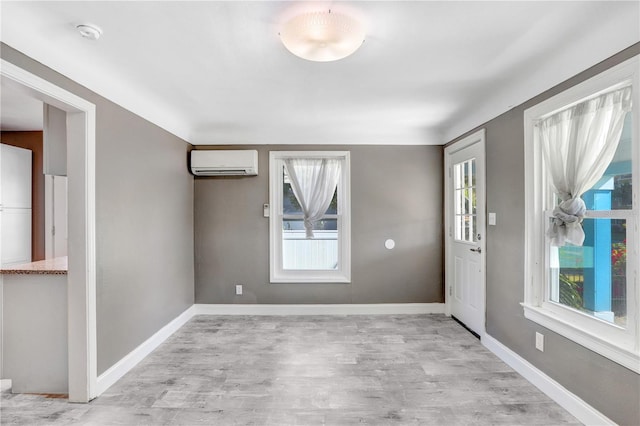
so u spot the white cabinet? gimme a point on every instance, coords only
(15, 173)
(15, 207)
(16, 236)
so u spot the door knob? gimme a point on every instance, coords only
(477, 250)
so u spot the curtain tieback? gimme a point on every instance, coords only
(308, 227)
(565, 226)
(569, 212)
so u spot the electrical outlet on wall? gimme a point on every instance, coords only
(540, 342)
(239, 290)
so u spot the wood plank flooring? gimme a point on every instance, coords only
(302, 370)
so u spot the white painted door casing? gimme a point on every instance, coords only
(81, 286)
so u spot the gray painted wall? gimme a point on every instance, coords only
(144, 222)
(396, 192)
(605, 385)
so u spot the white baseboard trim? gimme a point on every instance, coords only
(122, 367)
(329, 309)
(554, 390)
(5, 384)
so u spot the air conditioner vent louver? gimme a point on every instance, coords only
(224, 162)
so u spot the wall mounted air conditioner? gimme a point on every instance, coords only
(224, 162)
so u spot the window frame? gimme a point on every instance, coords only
(277, 273)
(621, 345)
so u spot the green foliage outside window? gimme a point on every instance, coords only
(570, 292)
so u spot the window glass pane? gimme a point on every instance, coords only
(322, 225)
(467, 228)
(333, 207)
(473, 172)
(290, 203)
(593, 278)
(621, 198)
(614, 190)
(474, 229)
(471, 228)
(319, 253)
(465, 201)
(457, 176)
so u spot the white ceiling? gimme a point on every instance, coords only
(216, 72)
(18, 110)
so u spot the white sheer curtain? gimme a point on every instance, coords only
(313, 181)
(578, 144)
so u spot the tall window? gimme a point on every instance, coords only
(310, 216)
(582, 163)
(592, 278)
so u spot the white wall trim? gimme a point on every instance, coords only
(554, 390)
(329, 309)
(122, 367)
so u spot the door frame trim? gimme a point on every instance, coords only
(81, 286)
(478, 137)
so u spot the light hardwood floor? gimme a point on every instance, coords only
(301, 370)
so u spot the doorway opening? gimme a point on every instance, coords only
(81, 285)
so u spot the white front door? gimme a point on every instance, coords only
(465, 243)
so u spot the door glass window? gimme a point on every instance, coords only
(464, 182)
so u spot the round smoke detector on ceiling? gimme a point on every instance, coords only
(89, 31)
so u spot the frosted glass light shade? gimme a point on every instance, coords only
(322, 36)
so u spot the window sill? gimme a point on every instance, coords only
(307, 279)
(562, 326)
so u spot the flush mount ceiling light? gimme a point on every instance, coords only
(322, 36)
(89, 31)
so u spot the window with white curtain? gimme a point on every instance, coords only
(581, 220)
(309, 216)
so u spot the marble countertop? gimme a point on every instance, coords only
(57, 266)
